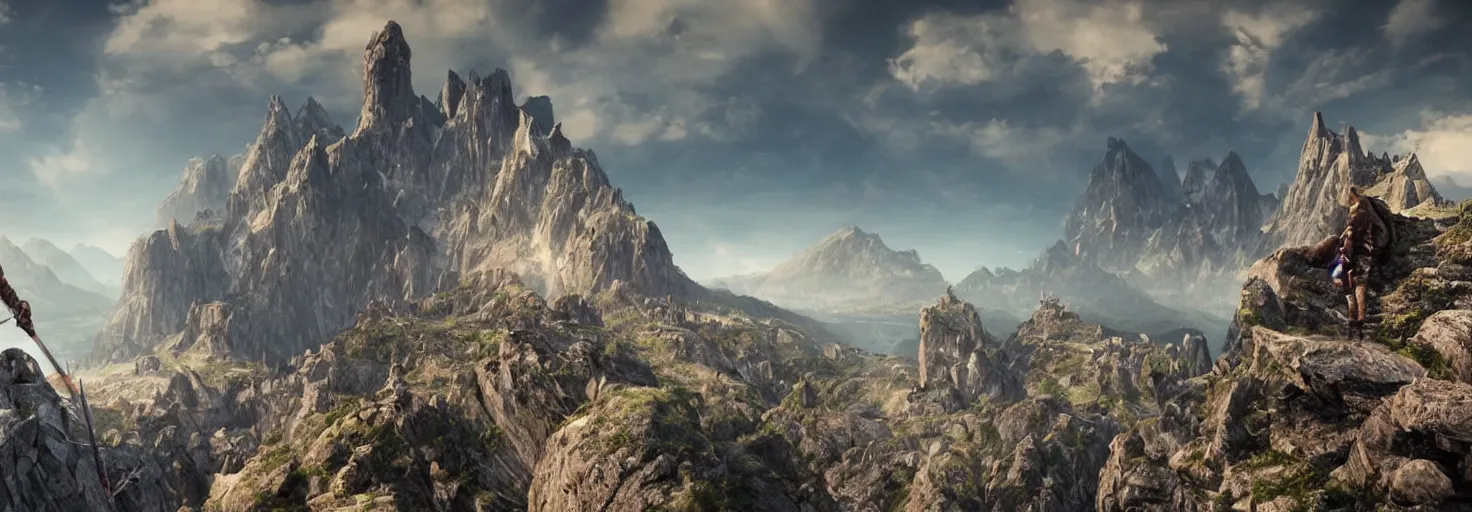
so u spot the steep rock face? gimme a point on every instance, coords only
(481, 121)
(1310, 419)
(167, 272)
(957, 353)
(41, 470)
(1122, 206)
(202, 192)
(846, 269)
(418, 194)
(66, 267)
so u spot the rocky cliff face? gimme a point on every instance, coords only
(42, 471)
(319, 223)
(956, 352)
(848, 269)
(1311, 420)
(202, 191)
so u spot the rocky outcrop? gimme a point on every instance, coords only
(319, 224)
(1306, 418)
(167, 273)
(40, 469)
(957, 353)
(849, 269)
(202, 192)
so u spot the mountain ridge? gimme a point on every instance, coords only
(315, 228)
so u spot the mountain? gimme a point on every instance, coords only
(1183, 248)
(855, 283)
(1328, 165)
(100, 264)
(320, 224)
(202, 190)
(849, 268)
(66, 267)
(1123, 205)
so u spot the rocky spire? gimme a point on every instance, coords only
(1316, 129)
(559, 143)
(388, 88)
(266, 161)
(1123, 204)
(1311, 209)
(451, 95)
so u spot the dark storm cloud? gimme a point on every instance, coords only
(748, 129)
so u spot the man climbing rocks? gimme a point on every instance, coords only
(1366, 236)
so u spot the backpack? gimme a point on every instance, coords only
(1388, 218)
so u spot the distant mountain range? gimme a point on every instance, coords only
(1135, 241)
(69, 306)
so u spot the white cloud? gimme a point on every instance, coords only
(1411, 18)
(1257, 36)
(56, 169)
(4, 12)
(1018, 147)
(1441, 144)
(1111, 40)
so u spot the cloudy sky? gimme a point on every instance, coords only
(747, 129)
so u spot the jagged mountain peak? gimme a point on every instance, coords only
(388, 86)
(1411, 167)
(451, 94)
(1317, 129)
